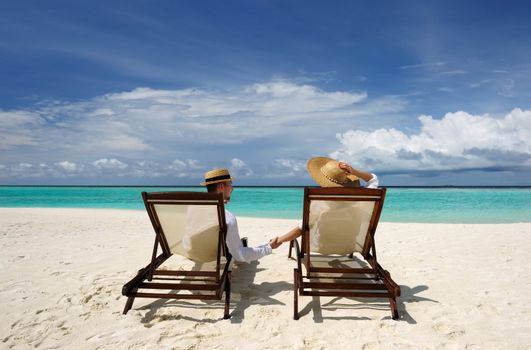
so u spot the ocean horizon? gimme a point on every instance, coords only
(422, 204)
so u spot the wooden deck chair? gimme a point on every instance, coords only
(191, 224)
(337, 223)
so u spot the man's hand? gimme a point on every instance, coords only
(274, 243)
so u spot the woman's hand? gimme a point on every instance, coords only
(274, 243)
(347, 168)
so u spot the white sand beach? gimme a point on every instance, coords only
(62, 271)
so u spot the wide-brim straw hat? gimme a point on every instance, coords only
(215, 176)
(327, 173)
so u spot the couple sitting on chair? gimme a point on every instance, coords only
(339, 219)
(325, 171)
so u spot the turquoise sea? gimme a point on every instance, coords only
(402, 204)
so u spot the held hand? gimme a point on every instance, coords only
(274, 243)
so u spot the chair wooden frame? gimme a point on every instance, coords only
(212, 282)
(370, 282)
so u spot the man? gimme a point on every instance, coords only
(220, 181)
(328, 172)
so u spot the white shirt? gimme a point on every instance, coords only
(372, 183)
(235, 245)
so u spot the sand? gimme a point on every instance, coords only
(62, 270)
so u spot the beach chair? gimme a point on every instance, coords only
(192, 225)
(337, 254)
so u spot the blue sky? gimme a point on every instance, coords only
(158, 92)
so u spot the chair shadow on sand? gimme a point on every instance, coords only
(247, 293)
(409, 295)
(244, 293)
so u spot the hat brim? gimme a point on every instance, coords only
(314, 166)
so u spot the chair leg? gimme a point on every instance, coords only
(290, 249)
(394, 308)
(226, 314)
(295, 294)
(128, 304)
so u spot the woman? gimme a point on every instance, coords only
(328, 172)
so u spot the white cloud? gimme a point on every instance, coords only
(424, 65)
(148, 121)
(287, 167)
(114, 167)
(455, 72)
(479, 83)
(67, 166)
(104, 164)
(189, 168)
(239, 168)
(120, 142)
(445, 89)
(22, 167)
(188, 164)
(457, 141)
(279, 97)
(16, 129)
(27, 170)
(270, 128)
(506, 87)
(149, 169)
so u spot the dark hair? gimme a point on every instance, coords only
(212, 188)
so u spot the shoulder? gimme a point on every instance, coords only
(229, 217)
(373, 182)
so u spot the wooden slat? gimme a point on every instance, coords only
(347, 294)
(340, 270)
(314, 276)
(181, 286)
(184, 273)
(175, 296)
(353, 286)
(192, 279)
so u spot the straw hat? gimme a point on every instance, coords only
(327, 173)
(215, 176)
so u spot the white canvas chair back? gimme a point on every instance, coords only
(340, 220)
(339, 227)
(190, 230)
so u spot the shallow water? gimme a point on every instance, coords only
(429, 205)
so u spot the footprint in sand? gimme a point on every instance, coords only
(371, 346)
(387, 325)
(449, 331)
(96, 298)
(17, 258)
(489, 309)
(314, 343)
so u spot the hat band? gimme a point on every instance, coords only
(333, 180)
(216, 178)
